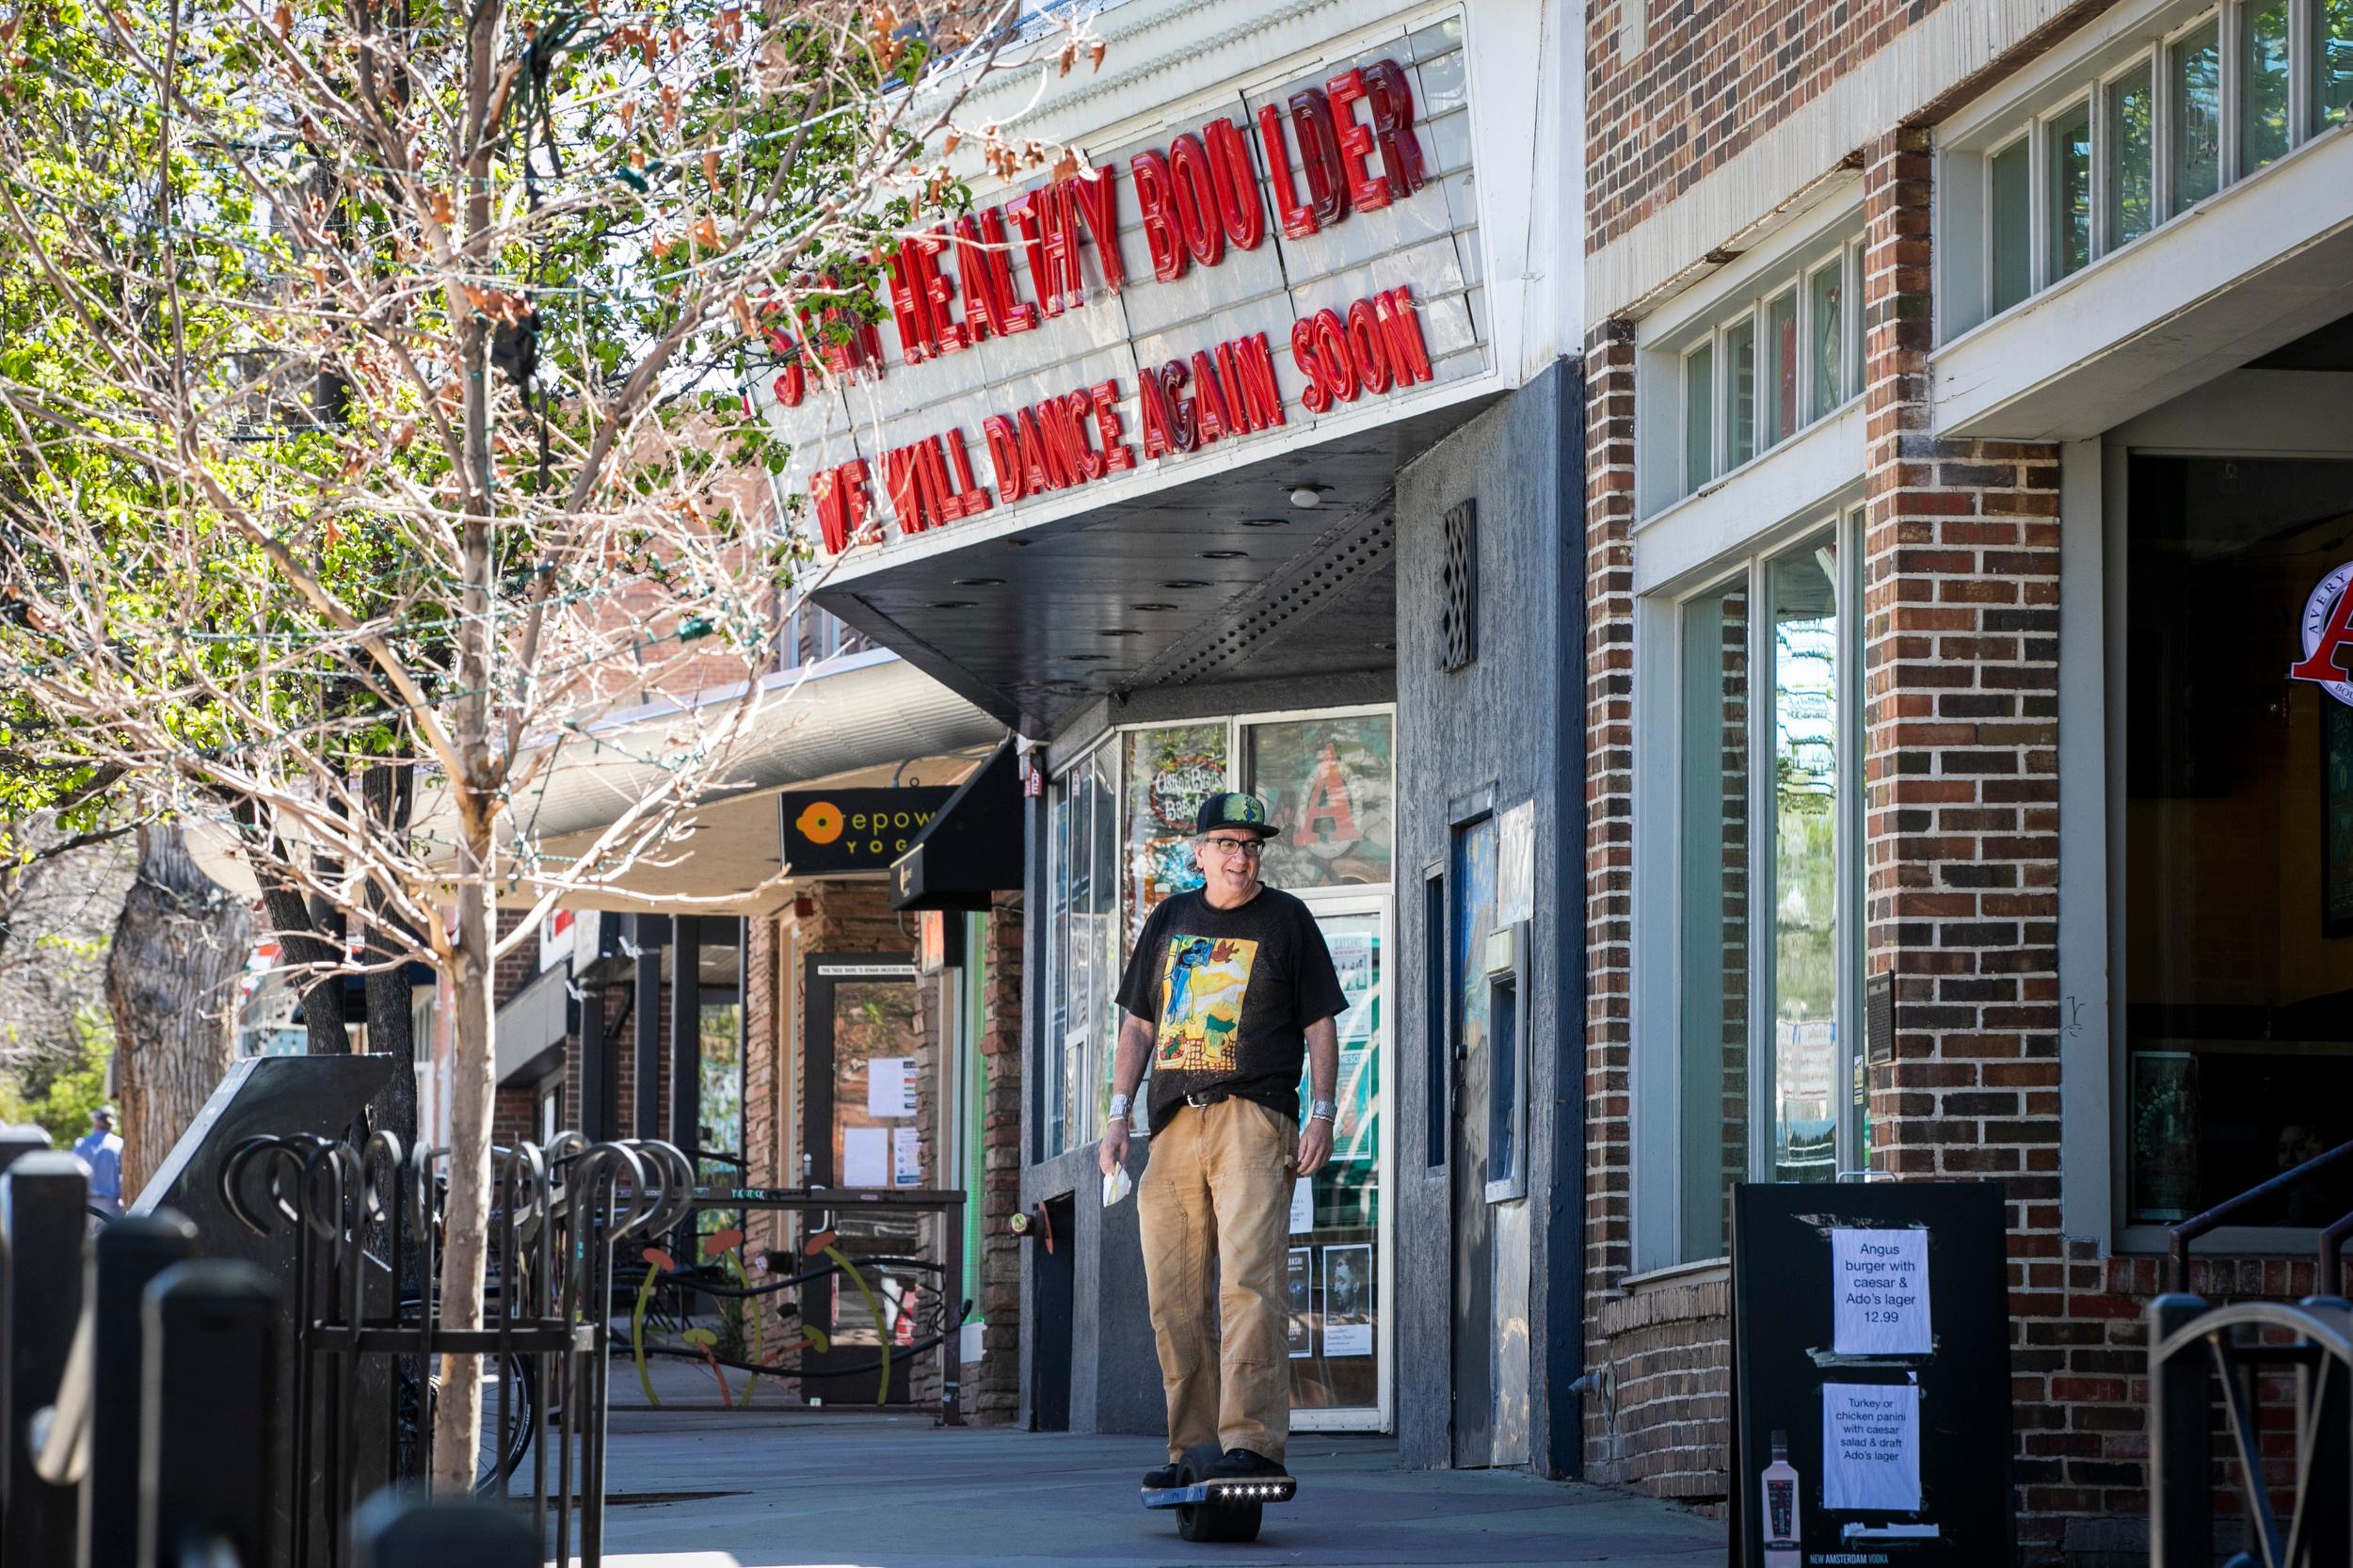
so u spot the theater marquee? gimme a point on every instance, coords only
(1260, 266)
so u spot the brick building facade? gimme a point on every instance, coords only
(1809, 227)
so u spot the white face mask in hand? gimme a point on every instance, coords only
(1117, 1184)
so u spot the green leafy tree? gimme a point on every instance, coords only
(58, 1096)
(376, 431)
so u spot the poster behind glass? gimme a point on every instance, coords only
(1170, 771)
(1333, 1278)
(1328, 786)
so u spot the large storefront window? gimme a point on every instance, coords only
(2237, 910)
(1327, 784)
(1764, 1089)
(1083, 957)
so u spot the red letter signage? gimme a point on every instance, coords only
(2328, 626)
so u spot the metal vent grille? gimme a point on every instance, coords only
(1458, 580)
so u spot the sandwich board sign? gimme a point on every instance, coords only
(1870, 1410)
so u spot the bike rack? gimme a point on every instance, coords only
(2192, 1348)
(365, 1221)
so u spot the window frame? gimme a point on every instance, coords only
(1658, 1189)
(2092, 67)
(1746, 299)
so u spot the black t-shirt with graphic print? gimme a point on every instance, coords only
(1232, 992)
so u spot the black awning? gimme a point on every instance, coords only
(972, 848)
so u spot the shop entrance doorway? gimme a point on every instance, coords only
(868, 1093)
(1491, 1212)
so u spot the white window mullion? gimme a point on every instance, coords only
(2161, 135)
(2303, 77)
(1849, 900)
(1757, 942)
(2097, 188)
(2232, 42)
(2037, 208)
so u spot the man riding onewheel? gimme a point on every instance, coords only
(1228, 989)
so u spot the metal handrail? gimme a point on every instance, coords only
(2331, 1255)
(2179, 1238)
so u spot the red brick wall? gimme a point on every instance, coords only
(1960, 827)
(1711, 79)
(1611, 1443)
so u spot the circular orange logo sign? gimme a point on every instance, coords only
(819, 823)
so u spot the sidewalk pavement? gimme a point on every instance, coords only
(710, 1488)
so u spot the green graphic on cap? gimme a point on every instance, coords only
(1245, 808)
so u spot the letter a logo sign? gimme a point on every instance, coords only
(2328, 626)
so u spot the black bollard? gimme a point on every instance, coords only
(42, 1225)
(18, 1142)
(399, 1530)
(2180, 1441)
(208, 1408)
(132, 1251)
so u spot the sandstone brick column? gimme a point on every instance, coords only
(1961, 571)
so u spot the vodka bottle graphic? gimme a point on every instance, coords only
(1780, 1507)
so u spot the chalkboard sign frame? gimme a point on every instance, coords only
(1783, 1335)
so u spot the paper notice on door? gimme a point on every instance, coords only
(1880, 1286)
(865, 1157)
(890, 1086)
(1303, 1206)
(1871, 1448)
(906, 1157)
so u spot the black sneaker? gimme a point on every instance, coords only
(1244, 1464)
(1168, 1475)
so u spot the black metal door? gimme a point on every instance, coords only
(1471, 912)
(1053, 1301)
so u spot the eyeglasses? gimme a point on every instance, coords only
(1248, 848)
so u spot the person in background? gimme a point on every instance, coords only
(100, 1153)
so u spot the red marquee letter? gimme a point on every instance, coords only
(1004, 456)
(1154, 199)
(1298, 220)
(1238, 205)
(1108, 430)
(1196, 199)
(1320, 156)
(1097, 193)
(1366, 190)
(1392, 99)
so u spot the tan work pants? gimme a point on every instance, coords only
(1218, 1189)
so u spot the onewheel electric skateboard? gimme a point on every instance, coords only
(1215, 1509)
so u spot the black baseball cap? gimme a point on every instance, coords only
(1234, 809)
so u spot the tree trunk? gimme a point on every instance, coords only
(389, 798)
(179, 946)
(309, 935)
(457, 1423)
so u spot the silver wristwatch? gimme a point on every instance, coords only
(1328, 1110)
(1121, 1106)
